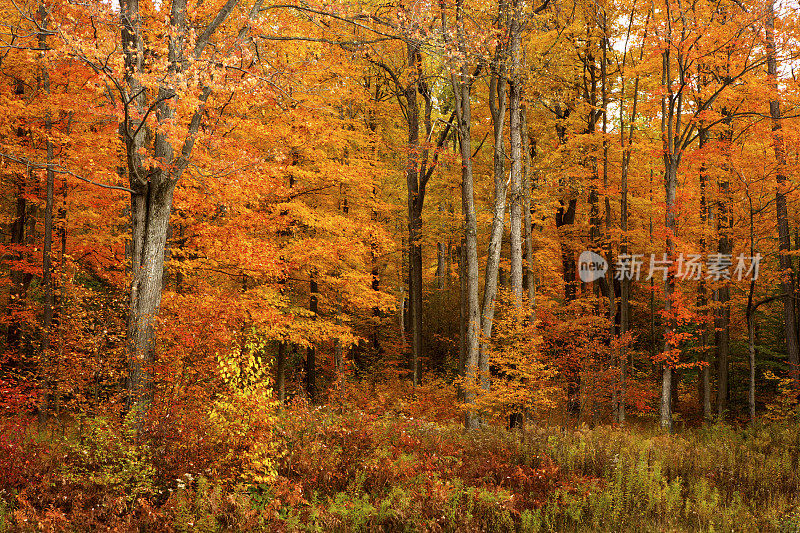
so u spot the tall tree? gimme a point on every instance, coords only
(462, 80)
(627, 149)
(47, 263)
(515, 89)
(409, 80)
(782, 185)
(154, 165)
(497, 107)
(682, 44)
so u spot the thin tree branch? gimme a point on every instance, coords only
(61, 170)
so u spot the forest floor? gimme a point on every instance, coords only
(337, 470)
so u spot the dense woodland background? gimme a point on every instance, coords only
(222, 220)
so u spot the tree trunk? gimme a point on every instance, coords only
(725, 247)
(751, 330)
(565, 220)
(471, 255)
(462, 85)
(338, 361)
(47, 275)
(441, 253)
(751, 349)
(62, 215)
(280, 372)
(625, 283)
(415, 199)
(783, 184)
(515, 83)
(653, 341)
(611, 294)
(529, 280)
(497, 107)
(515, 137)
(462, 319)
(565, 217)
(375, 286)
(671, 109)
(401, 312)
(591, 130)
(415, 292)
(153, 188)
(449, 260)
(723, 346)
(671, 183)
(702, 297)
(150, 210)
(311, 351)
(20, 279)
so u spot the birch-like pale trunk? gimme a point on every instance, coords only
(670, 127)
(515, 137)
(497, 107)
(461, 80)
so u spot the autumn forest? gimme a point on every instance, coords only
(520, 265)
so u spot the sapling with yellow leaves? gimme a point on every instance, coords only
(243, 416)
(521, 381)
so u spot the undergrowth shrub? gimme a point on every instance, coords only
(355, 471)
(365, 472)
(105, 459)
(242, 418)
(179, 437)
(201, 506)
(713, 478)
(388, 393)
(21, 456)
(90, 478)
